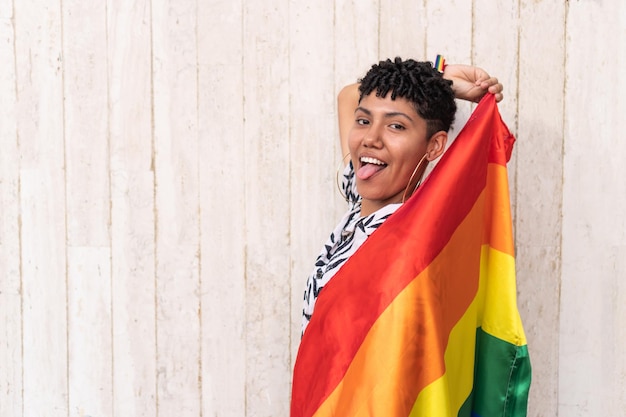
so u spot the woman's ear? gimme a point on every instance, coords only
(436, 145)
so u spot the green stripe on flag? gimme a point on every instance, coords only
(501, 379)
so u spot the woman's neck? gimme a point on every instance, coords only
(371, 206)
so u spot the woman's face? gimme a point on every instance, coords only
(387, 141)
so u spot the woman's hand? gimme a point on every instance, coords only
(472, 83)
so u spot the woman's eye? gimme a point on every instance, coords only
(396, 126)
(362, 122)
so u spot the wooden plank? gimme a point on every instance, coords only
(38, 53)
(591, 363)
(538, 188)
(39, 58)
(86, 136)
(129, 94)
(356, 40)
(132, 209)
(174, 64)
(87, 208)
(449, 31)
(10, 281)
(222, 221)
(89, 331)
(403, 29)
(45, 350)
(133, 291)
(314, 139)
(267, 148)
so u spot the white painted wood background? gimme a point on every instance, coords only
(167, 176)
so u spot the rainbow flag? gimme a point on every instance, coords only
(422, 320)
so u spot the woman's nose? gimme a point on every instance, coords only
(372, 137)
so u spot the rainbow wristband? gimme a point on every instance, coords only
(440, 63)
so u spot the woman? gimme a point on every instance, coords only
(392, 124)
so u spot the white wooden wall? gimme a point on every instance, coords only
(167, 176)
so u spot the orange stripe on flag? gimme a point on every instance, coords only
(498, 228)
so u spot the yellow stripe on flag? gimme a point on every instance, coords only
(445, 396)
(501, 318)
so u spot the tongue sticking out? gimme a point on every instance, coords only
(368, 170)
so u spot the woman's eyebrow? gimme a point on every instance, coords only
(364, 110)
(398, 113)
(387, 115)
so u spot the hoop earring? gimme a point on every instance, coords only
(340, 167)
(419, 164)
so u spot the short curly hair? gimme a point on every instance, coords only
(419, 83)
